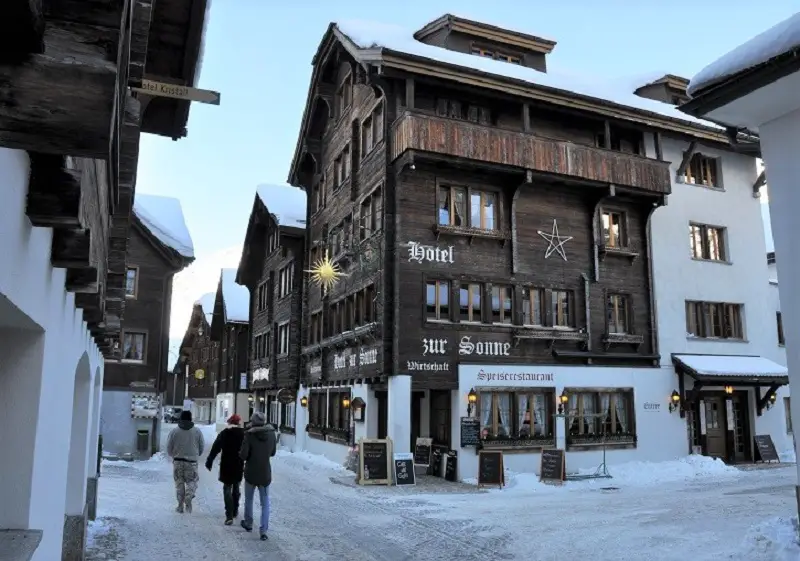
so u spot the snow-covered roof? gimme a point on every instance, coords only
(775, 41)
(497, 24)
(732, 365)
(206, 302)
(163, 217)
(767, 222)
(235, 297)
(371, 35)
(286, 203)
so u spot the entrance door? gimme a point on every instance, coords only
(741, 439)
(715, 427)
(416, 417)
(440, 417)
(382, 398)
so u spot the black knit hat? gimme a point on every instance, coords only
(186, 415)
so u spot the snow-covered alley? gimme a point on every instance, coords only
(695, 508)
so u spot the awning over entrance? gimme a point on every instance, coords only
(731, 369)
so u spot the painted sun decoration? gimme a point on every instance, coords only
(325, 273)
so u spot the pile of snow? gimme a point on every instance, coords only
(788, 456)
(368, 34)
(163, 217)
(235, 297)
(628, 474)
(95, 529)
(775, 539)
(316, 460)
(286, 203)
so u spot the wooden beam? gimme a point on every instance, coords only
(21, 29)
(687, 157)
(140, 32)
(659, 145)
(82, 280)
(63, 98)
(71, 249)
(761, 180)
(54, 192)
(410, 93)
(101, 13)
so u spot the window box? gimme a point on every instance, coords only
(471, 233)
(611, 339)
(606, 250)
(549, 334)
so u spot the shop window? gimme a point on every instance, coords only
(597, 417)
(517, 415)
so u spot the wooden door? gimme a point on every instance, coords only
(383, 413)
(740, 428)
(715, 427)
(440, 417)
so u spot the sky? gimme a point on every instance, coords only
(258, 55)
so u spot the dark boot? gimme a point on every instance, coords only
(246, 527)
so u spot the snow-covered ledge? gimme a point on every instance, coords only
(754, 87)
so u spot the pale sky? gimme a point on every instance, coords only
(258, 55)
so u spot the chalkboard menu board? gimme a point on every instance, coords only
(404, 469)
(374, 461)
(765, 449)
(553, 466)
(451, 466)
(422, 451)
(470, 431)
(490, 468)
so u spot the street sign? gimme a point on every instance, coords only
(161, 89)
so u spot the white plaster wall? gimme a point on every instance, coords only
(677, 277)
(117, 426)
(29, 282)
(223, 409)
(661, 434)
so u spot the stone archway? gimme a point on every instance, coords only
(92, 467)
(75, 503)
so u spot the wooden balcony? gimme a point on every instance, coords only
(425, 133)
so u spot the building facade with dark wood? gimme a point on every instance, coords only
(272, 264)
(230, 328)
(200, 358)
(492, 225)
(156, 252)
(70, 124)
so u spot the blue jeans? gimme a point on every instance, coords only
(263, 496)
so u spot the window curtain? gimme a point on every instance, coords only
(605, 410)
(621, 405)
(134, 347)
(504, 415)
(589, 421)
(572, 414)
(540, 414)
(524, 421)
(486, 414)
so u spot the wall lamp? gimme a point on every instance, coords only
(562, 401)
(674, 401)
(250, 398)
(771, 401)
(346, 402)
(729, 390)
(304, 402)
(472, 399)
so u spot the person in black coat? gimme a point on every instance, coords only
(231, 466)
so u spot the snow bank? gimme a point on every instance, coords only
(163, 217)
(774, 539)
(315, 460)
(95, 529)
(629, 474)
(788, 456)
(235, 297)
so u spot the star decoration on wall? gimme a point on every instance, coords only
(325, 273)
(556, 242)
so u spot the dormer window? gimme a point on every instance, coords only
(488, 53)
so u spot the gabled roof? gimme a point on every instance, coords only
(206, 303)
(163, 219)
(202, 311)
(285, 203)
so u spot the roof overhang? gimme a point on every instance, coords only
(735, 370)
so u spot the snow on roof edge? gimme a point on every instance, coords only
(206, 303)
(285, 202)
(767, 45)
(235, 297)
(163, 217)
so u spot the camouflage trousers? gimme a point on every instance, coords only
(186, 478)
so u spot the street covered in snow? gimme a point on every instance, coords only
(694, 508)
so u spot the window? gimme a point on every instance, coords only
(702, 170)
(338, 172)
(283, 339)
(344, 95)
(517, 415)
(316, 195)
(779, 319)
(502, 298)
(315, 335)
(559, 308)
(372, 213)
(346, 162)
(707, 242)
(286, 280)
(617, 311)
(613, 229)
(452, 208)
(288, 416)
(463, 111)
(469, 302)
(532, 306)
(338, 414)
(597, 416)
(787, 409)
(479, 51)
(133, 346)
(274, 241)
(262, 346)
(274, 412)
(372, 130)
(715, 320)
(131, 282)
(262, 297)
(317, 409)
(438, 300)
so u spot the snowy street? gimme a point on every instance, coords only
(701, 509)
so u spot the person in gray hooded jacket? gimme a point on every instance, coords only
(258, 446)
(185, 446)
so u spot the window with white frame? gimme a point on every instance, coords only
(133, 346)
(286, 280)
(274, 412)
(283, 339)
(288, 416)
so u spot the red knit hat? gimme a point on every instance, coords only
(234, 419)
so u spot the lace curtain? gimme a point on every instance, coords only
(524, 416)
(503, 415)
(133, 347)
(605, 410)
(540, 414)
(486, 414)
(621, 405)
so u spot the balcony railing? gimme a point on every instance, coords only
(426, 133)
